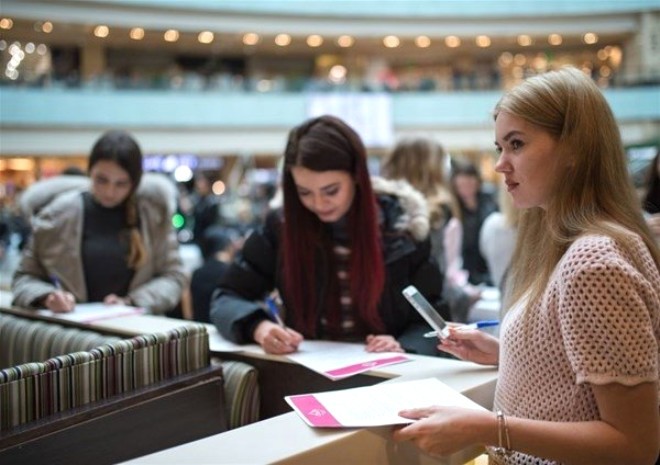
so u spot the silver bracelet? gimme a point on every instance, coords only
(503, 448)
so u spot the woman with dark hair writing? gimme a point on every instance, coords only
(339, 252)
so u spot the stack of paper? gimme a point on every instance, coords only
(91, 312)
(337, 360)
(376, 405)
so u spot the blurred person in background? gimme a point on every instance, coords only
(475, 205)
(107, 238)
(205, 207)
(218, 248)
(498, 235)
(421, 162)
(339, 252)
(651, 203)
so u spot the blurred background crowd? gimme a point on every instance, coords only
(209, 89)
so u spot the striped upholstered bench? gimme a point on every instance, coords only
(127, 397)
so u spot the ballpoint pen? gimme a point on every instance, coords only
(475, 325)
(56, 282)
(274, 311)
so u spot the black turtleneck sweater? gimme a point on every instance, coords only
(104, 248)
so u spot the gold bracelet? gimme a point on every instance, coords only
(503, 448)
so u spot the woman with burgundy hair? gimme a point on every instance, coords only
(338, 253)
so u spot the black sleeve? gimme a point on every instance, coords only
(236, 306)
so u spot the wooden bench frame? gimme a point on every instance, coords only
(133, 424)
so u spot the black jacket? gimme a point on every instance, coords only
(237, 305)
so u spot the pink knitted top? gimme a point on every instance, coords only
(598, 322)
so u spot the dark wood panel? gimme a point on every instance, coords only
(131, 425)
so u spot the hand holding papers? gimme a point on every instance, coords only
(376, 405)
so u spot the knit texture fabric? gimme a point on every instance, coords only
(598, 322)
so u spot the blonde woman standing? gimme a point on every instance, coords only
(578, 354)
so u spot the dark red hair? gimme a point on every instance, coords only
(323, 144)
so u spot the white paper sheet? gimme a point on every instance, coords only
(375, 405)
(91, 312)
(337, 360)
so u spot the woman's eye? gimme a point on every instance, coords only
(516, 144)
(332, 192)
(303, 194)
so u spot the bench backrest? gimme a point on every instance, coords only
(23, 340)
(38, 389)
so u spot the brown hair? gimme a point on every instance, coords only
(120, 148)
(420, 161)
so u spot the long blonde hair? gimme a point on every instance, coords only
(420, 161)
(594, 195)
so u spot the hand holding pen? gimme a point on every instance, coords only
(468, 343)
(273, 336)
(476, 325)
(59, 301)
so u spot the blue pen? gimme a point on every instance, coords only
(475, 325)
(56, 282)
(274, 311)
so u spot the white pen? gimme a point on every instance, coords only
(475, 325)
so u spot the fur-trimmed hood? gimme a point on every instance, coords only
(415, 217)
(156, 188)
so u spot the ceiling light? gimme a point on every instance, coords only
(314, 40)
(391, 41)
(6, 23)
(251, 38)
(483, 41)
(452, 41)
(337, 74)
(47, 27)
(171, 35)
(345, 41)
(422, 41)
(137, 33)
(524, 40)
(101, 31)
(616, 55)
(590, 38)
(205, 37)
(282, 40)
(555, 39)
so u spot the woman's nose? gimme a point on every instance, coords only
(502, 166)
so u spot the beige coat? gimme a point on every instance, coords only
(54, 249)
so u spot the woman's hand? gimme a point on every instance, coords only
(112, 299)
(442, 431)
(382, 343)
(472, 345)
(60, 301)
(275, 339)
